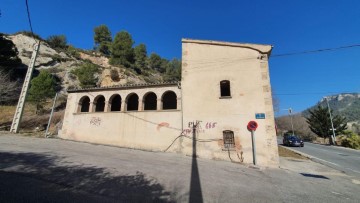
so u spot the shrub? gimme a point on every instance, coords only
(114, 74)
(86, 74)
(72, 51)
(352, 140)
(57, 41)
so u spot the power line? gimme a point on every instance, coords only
(317, 50)
(28, 14)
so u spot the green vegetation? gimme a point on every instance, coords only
(86, 74)
(319, 122)
(102, 39)
(57, 41)
(42, 88)
(122, 52)
(140, 55)
(351, 140)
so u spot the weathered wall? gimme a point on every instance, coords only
(151, 130)
(204, 66)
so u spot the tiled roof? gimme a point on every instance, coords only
(127, 86)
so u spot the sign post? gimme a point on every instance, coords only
(252, 125)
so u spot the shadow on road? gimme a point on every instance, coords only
(195, 185)
(30, 177)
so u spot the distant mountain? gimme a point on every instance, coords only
(347, 104)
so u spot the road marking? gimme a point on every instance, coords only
(353, 170)
(325, 161)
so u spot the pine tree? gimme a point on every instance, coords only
(42, 88)
(102, 39)
(320, 123)
(155, 62)
(122, 52)
(140, 55)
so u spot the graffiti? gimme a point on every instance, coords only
(96, 121)
(163, 124)
(199, 127)
(210, 125)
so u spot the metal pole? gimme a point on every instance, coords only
(253, 146)
(332, 124)
(291, 120)
(52, 111)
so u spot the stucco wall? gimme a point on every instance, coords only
(203, 67)
(151, 130)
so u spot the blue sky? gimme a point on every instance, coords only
(290, 26)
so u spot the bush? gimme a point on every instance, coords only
(114, 74)
(352, 140)
(72, 51)
(57, 41)
(86, 74)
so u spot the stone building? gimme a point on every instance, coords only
(223, 87)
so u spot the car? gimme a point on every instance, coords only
(293, 141)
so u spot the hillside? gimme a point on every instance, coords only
(61, 63)
(347, 105)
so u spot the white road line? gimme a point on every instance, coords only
(325, 161)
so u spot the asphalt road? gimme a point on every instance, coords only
(343, 159)
(54, 170)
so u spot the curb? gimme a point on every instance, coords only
(340, 147)
(297, 152)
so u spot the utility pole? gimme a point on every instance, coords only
(291, 120)
(332, 124)
(21, 103)
(52, 112)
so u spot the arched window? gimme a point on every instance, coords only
(169, 100)
(229, 141)
(150, 101)
(84, 104)
(115, 102)
(225, 88)
(99, 102)
(132, 102)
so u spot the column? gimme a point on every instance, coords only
(158, 105)
(107, 106)
(123, 104)
(140, 105)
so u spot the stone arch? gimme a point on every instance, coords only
(115, 102)
(84, 104)
(99, 103)
(150, 101)
(169, 100)
(132, 102)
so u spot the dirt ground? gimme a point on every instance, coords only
(283, 152)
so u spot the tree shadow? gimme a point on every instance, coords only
(30, 177)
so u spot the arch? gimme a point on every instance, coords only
(229, 140)
(225, 88)
(132, 102)
(169, 100)
(150, 101)
(84, 104)
(99, 102)
(115, 102)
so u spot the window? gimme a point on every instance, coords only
(150, 101)
(115, 102)
(84, 104)
(132, 102)
(169, 100)
(225, 88)
(99, 102)
(228, 137)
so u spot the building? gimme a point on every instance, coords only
(223, 87)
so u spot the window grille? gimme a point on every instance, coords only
(229, 141)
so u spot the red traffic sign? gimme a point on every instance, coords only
(252, 125)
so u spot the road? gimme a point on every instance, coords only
(343, 159)
(55, 170)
